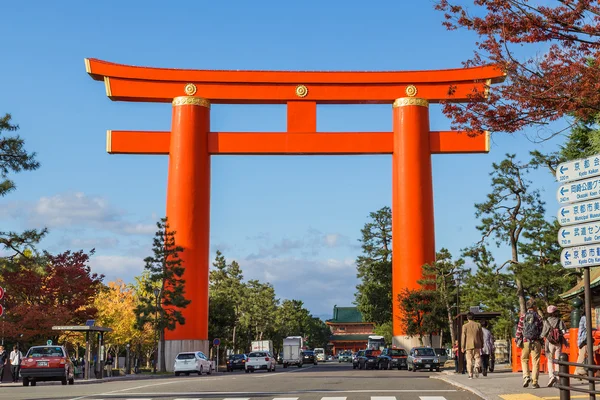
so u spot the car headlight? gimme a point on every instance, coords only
(436, 360)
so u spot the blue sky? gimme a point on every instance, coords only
(293, 221)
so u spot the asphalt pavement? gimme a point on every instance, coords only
(327, 381)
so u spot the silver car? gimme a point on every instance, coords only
(422, 358)
(192, 362)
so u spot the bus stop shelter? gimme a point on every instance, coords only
(459, 321)
(89, 330)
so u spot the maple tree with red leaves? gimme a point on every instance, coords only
(559, 78)
(61, 291)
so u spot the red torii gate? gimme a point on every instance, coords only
(191, 143)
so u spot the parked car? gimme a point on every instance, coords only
(392, 358)
(355, 358)
(309, 357)
(192, 362)
(47, 363)
(442, 355)
(236, 361)
(345, 356)
(422, 358)
(260, 360)
(368, 360)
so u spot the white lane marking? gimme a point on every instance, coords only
(253, 394)
(333, 398)
(285, 398)
(188, 399)
(432, 397)
(383, 397)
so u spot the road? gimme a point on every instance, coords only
(328, 381)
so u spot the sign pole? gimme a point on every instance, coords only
(217, 367)
(588, 328)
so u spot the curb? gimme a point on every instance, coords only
(461, 386)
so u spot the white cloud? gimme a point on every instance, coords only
(310, 244)
(117, 267)
(72, 210)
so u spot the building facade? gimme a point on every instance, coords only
(348, 330)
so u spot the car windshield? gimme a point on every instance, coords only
(424, 352)
(46, 351)
(237, 357)
(186, 356)
(257, 354)
(398, 352)
(308, 353)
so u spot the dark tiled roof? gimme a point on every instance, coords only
(348, 338)
(346, 314)
(578, 289)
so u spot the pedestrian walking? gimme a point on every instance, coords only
(488, 348)
(553, 331)
(109, 364)
(3, 361)
(472, 343)
(455, 355)
(529, 339)
(582, 345)
(15, 363)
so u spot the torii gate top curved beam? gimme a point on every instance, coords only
(148, 84)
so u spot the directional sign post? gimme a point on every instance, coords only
(580, 235)
(587, 189)
(217, 342)
(578, 169)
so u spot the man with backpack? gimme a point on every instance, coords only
(529, 339)
(553, 331)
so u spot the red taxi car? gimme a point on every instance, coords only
(47, 363)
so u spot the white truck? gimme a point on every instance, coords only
(292, 351)
(262, 345)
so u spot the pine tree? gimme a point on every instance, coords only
(374, 266)
(14, 158)
(165, 282)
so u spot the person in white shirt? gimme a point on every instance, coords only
(15, 363)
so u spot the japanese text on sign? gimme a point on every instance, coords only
(579, 213)
(581, 256)
(578, 169)
(579, 191)
(579, 234)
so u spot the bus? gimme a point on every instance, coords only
(376, 342)
(320, 354)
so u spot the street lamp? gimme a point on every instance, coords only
(128, 360)
(156, 293)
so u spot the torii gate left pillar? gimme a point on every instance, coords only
(190, 144)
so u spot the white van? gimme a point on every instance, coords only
(320, 354)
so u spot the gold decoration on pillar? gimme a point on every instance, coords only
(191, 101)
(411, 90)
(410, 101)
(301, 91)
(190, 89)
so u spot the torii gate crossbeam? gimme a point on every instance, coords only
(190, 144)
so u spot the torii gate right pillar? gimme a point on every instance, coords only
(413, 235)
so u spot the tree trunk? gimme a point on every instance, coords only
(163, 359)
(449, 311)
(233, 338)
(521, 295)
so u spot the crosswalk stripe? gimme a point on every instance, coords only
(237, 398)
(383, 397)
(285, 398)
(333, 398)
(198, 398)
(432, 397)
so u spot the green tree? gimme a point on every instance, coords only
(317, 333)
(439, 276)
(13, 159)
(385, 330)
(259, 308)
(226, 289)
(541, 272)
(509, 211)
(374, 266)
(422, 313)
(491, 290)
(165, 288)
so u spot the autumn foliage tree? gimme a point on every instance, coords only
(550, 52)
(60, 291)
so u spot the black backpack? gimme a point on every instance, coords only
(554, 334)
(531, 329)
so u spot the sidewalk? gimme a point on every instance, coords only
(507, 385)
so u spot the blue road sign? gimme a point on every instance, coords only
(580, 256)
(587, 189)
(578, 169)
(579, 213)
(216, 342)
(577, 235)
